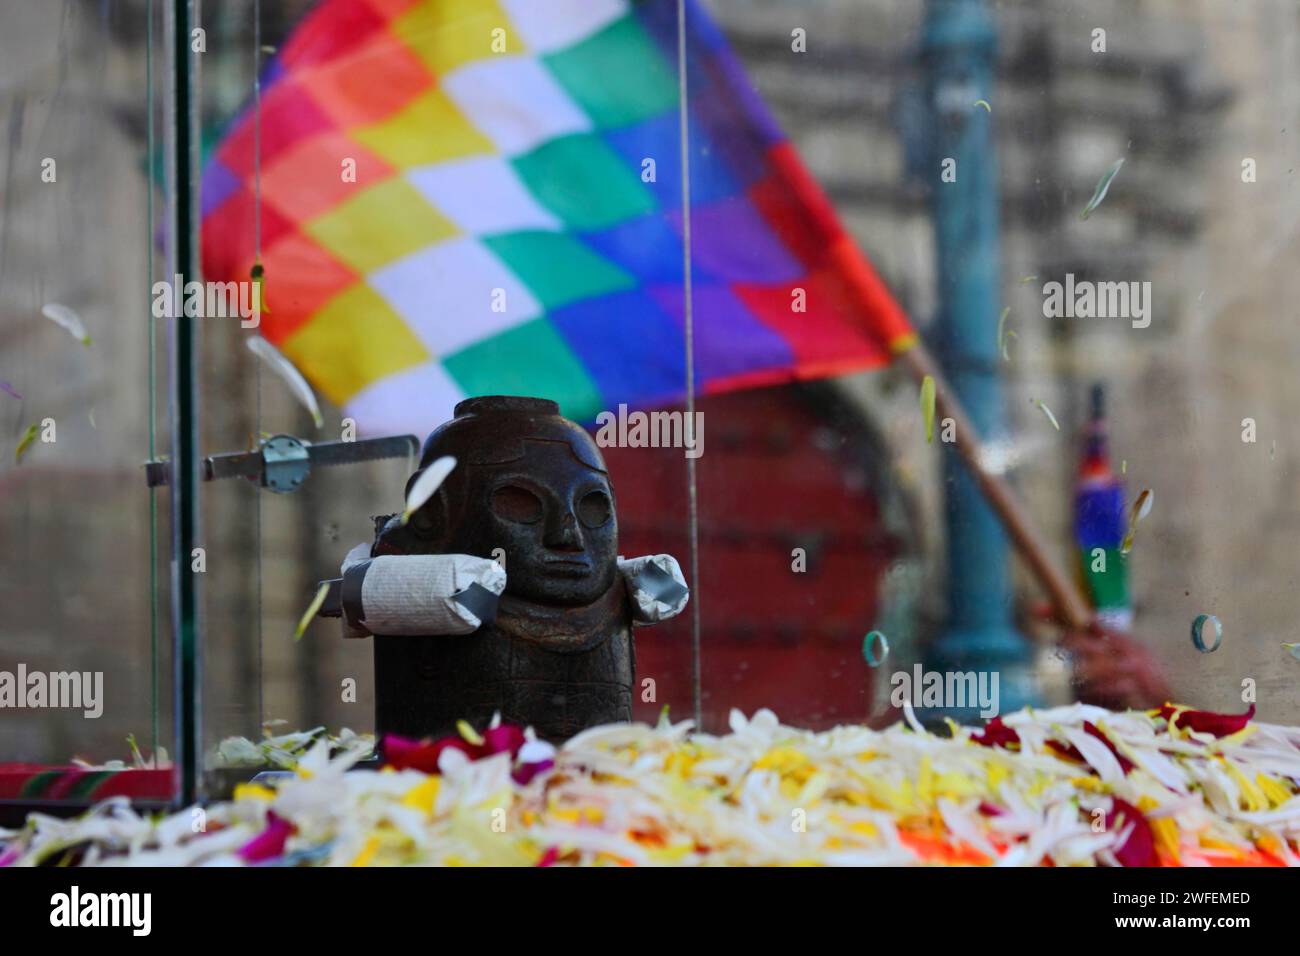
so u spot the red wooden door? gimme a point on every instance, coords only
(779, 471)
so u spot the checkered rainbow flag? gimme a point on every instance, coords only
(467, 197)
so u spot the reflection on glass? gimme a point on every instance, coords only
(84, 642)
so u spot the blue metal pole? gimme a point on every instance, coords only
(958, 52)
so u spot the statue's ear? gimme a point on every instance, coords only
(429, 523)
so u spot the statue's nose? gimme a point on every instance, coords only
(562, 532)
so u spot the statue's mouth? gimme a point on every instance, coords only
(567, 567)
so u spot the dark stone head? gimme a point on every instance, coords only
(530, 482)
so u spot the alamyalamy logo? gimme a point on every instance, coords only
(75, 908)
(651, 430)
(208, 300)
(1099, 300)
(76, 690)
(951, 690)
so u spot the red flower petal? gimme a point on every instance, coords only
(268, 844)
(404, 753)
(525, 772)
(996, 734)
(549, 857)
(1140, 847)
(991, 809)
(1205, 721)
(1069, 751)
(506, 738)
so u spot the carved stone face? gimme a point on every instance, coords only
(531, 483)
(554, 518)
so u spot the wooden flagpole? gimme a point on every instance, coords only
(1071, 606)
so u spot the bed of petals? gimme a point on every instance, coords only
(1078, 785)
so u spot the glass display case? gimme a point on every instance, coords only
(87, 580)
(964, 326)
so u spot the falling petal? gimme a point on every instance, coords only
(985, 104)
(1025, 280)
(9, 389)
(25, 442)
(870, 643)
(927, 406)
(282, 367)
(1048, 412)
(1103, 185)
(427, 484)
(1293, 650)
(1198, 632)
(1002, 334)
(91, 414)
(63, 316)
(469, 734)
(1141, 508)
(1123, 467)
(310, 613)
(258, 275)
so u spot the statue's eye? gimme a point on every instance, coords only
(594, 509)
(517, 504)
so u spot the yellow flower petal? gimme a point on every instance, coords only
(1273, 789)
(423, 796)
(367, 853)
(253, 791)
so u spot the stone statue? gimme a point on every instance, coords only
(530, 493)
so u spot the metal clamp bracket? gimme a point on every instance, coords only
(286, 464)
(282, 462)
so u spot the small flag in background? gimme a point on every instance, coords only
(467, 197)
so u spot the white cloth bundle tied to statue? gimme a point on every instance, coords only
(453, 594)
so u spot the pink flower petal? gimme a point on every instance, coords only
(506, 738)
(549, 858)
(525, 772)
(269, 844)
(404, 753)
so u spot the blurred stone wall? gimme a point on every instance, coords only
(1184, 91)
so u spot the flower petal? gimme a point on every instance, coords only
(996, 734)
(1139, 849)
(269, 844)
(1207, 722)
(404, 753)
